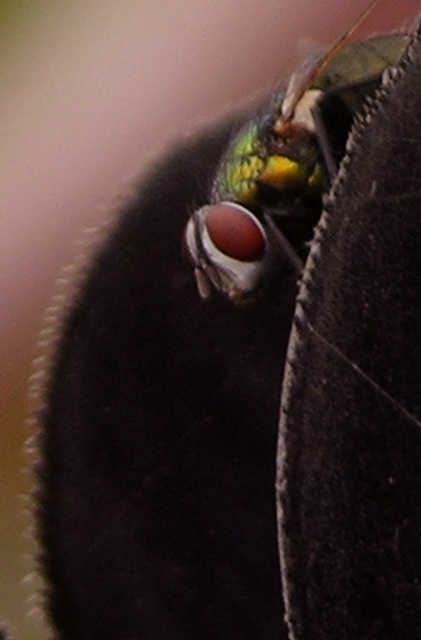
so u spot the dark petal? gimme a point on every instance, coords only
(156, 501)
(350, 448)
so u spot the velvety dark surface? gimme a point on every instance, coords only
(157, 505)
(350, 450)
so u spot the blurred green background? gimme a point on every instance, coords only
(17, 21)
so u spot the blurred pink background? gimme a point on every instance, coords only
(89, 94)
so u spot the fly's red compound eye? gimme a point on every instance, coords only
(235, 232)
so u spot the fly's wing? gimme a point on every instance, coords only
(350, 79)
(156, 502)
(363, 59)
(355, 74)
(349, 477)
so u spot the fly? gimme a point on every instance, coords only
(281, 163)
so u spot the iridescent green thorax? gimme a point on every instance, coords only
(257, 159)
(242, 166)
(273, 156)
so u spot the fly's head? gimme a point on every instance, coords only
(229, 249)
